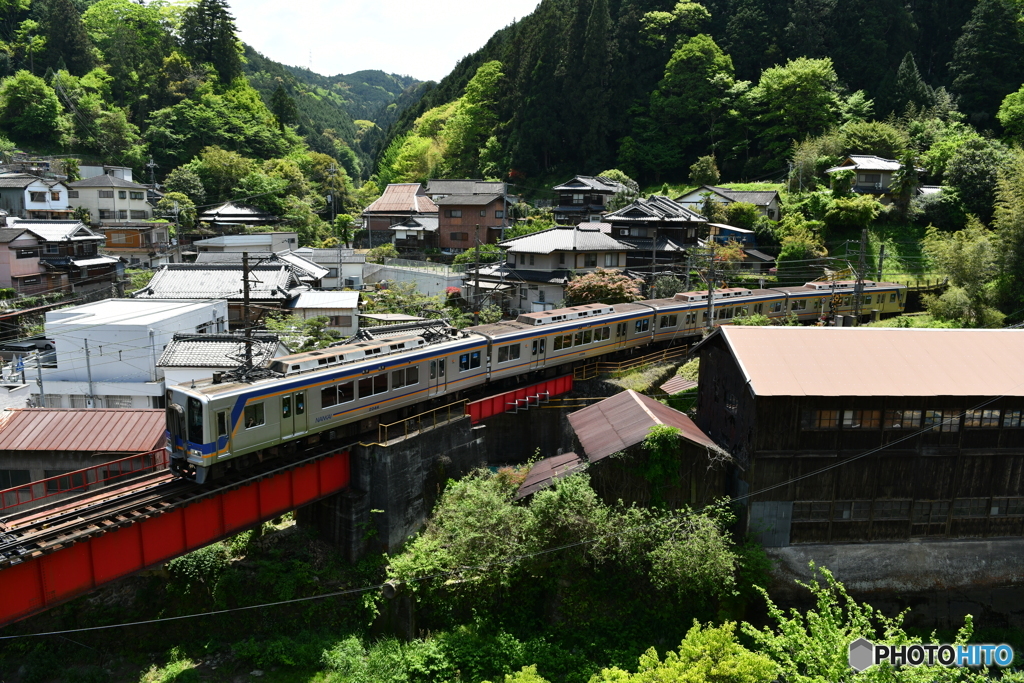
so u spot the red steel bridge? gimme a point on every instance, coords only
(131, 514)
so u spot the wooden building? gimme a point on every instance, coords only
(869, 434)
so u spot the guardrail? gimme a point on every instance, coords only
(83, 479)
(591, 371)
(421, 422)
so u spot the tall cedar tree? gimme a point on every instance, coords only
(67, 42)
(208, 37)
(283, 107)
(987, 62)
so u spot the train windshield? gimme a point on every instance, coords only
(195, 420)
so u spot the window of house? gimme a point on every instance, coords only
(79, 400)
(892, 509)
(341, 321)
(63, 483)
(902, 419)
(499, 214)
(930, 511)
(638, 232)
(459, 236)
(118, 238)
(1007, 507)
(861, 419)
(37, 196)
(870, 178)
(1011, 418)
(52, 248)
(851, 510)
(483, 212)
(122, 214)
(731, 402)
(28, 253)
(811, 511)
(135, 195)
(139, 215)
(561, 258)
(12, 478)
(72, 194)
(669, 321)
(507, 353)
(123, 402)
(106, 194)
(121, 194)
(533, 261)
(55, 195)
(971, 507)
(541, 294)
(982, 418)
(577, 199)
(611, 260)
(106, 214)
(254, 415)
(590, 260)
(453, 213)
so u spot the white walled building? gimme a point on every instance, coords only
(125, 337)
(111, 200)
(260, 241)
(341, 308)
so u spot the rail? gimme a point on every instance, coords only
(585, 372)
(83, 479)
(421, 422)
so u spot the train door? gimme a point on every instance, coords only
(293, 414)
(436, 381)
(539, 351)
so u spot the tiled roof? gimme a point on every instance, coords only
(565, 239)
(10, 234)
(426, 222)
(644, 243)
(756, 197)
(95, 430)
(590, 183)
(464, 187)
(302, 267)
(656, 209)
(467, 199)
(106, 181)
(868, 162)
(801, 361)
(318, 299)
(217, 351)
(329, 257)
(402, 198)
(22, 180)
(216, 281)
(623, 420)
(55, 231)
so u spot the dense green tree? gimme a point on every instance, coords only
(704, 171)
(883, 29)
(67, 43)
(874, 137)
(208, 37)
(909, 88)
(988, 60)
(177, 207)
(185, 180)
(1009, 224)
(970, 258)
(29, 108)
(221, 171)
(1011, 114)
(471, 122)
(283, 107)
(973, 171)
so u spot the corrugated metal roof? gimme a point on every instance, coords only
(402, 198)
(325, 300)
(106, 181)
(210, 281)
(878, 361)
(99, 430)
(616, 423)
(544, 472)
(217, 351)
(677, 384)
(565, 239)
(467, 199)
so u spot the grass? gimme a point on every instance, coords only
(904, 258)
(645, 379)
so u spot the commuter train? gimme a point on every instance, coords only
(217, 424)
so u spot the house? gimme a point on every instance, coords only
(464, 220)
(849, 435)
(436, 189)
(767, 201)
(255, 242)
(584, 198)
(87, 171)
(307, 272)
(270, 287)
(28, 196)
(54, 256)
(417, 233)
(139, 244)
(345, 261)
(110, 199)
(873, 175)
(236, 214)
(340, 308)
(107, 350)
(658, 228)
(398, 202)
(537, 266)
(189, 357)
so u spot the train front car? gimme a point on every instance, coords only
(189, 442)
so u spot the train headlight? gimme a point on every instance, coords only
(195, 451)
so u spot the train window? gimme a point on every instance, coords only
(474, 359)
(579, 339)
(892, 298)
(346, 392)
(669, 321)
(440, 367)
(643, 325)
(300, 403)
(800, 305)
(543, 343)
(758, 309)
(329, 396)
(286, 407)
(222, 423)
(380, 383)
(534, 351)
(776, 307)
(365, 387)
(433, 369)
(507, 353)
(557, 346)
(398, 378)
(588, 336)
(412, 375)
(195, 420)
(606, 333)
(867, 299)
(254, 415)
(464, 362)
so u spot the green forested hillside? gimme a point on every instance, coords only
(650, 85)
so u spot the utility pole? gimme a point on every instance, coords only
(654, 255)
(711, 288)
(152, 179)
(689, 261)
(245, 312)
(858, 291)
(88, 370)
(476, 275)
(881, 260)
(39, 380)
